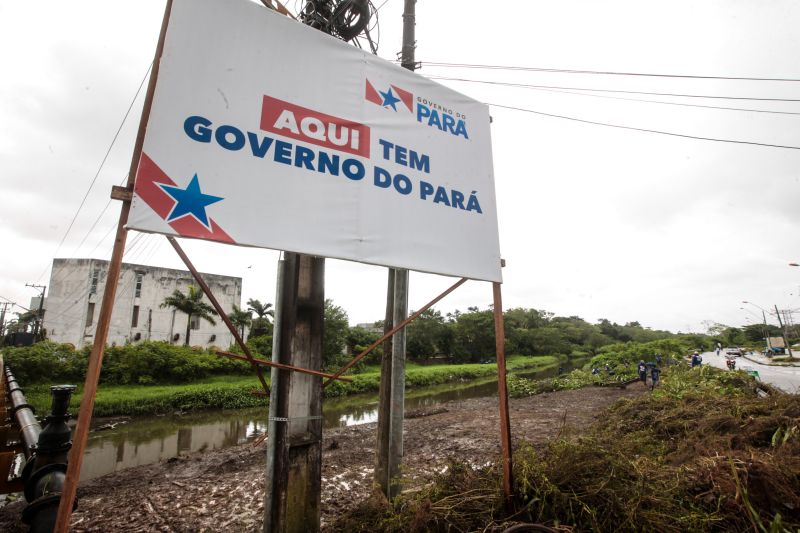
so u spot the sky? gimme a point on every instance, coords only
(595, 221)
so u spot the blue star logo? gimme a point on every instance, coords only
(389, 99)
(189, 201)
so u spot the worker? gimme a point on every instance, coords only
(642, 371)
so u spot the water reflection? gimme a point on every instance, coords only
(151, 439)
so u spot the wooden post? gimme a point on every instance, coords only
(81, 433)
(505, 420)
(296, 402)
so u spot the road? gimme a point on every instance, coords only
(786, 378)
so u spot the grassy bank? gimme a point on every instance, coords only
(704, 452)
(234, 391)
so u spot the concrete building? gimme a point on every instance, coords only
(72, 305)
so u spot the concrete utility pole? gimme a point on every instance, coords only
(3, 317)
(294, 452)
(292, 498)
(783, 332)
(391, 408)
(38, 324)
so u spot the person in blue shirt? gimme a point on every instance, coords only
(696, 360)
(654, 376)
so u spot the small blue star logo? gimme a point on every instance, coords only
(389, 99)
(189, 201)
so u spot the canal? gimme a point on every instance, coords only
(146, 440)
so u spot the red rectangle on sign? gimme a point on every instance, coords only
(303, 124)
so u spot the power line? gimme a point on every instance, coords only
(646, 130)
(662, 102)
(511, 84)
(99, 168)
(103, 212)
(600, 72)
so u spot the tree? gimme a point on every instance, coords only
(193, 305)
(473, 338)
(428, 335)
(262, 324)
(358, 339)
(337, 328)
(240, 318)
(261, 310)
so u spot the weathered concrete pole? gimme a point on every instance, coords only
(389, 448)
(295, 441)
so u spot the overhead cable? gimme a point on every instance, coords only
(600, 72)
(646, 130)
(662, 102)
(97, 174)
(531, 86)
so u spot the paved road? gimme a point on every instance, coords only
(786, 378)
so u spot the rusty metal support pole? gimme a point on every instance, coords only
(92, 375)
(296, 402)
(396, 328)
(220, 311)
(262, 362)
(106, 307)
(505, 421)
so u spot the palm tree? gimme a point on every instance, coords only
(261, 324)
(262, 310)
(191, 304)
(240, 318)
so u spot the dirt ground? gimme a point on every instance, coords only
(223, 490)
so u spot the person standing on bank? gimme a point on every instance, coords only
(654, 377)
(642, 368)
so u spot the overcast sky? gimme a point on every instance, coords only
(595, 221)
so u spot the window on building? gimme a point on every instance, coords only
(135, 317)
(195, 323)
(95, 280)
(139, 277)
(89, 315)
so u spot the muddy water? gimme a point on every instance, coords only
(150, 439)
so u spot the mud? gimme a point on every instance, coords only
(223, 490)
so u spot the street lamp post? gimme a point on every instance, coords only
(764, 317)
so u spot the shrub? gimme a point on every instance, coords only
(144, 364)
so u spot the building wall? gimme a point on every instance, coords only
(76, 290)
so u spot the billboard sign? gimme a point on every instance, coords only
(265, 132)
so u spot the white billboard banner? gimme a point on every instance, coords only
(264, 132)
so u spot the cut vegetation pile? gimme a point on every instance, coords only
(704, 452)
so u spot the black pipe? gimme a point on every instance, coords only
(45, 472)
(23, 413)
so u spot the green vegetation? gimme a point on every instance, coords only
(704, 452)
(235, 391)
(221, 392)
(615, 362)
(146, 363)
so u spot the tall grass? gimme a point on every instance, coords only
(235, 391)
